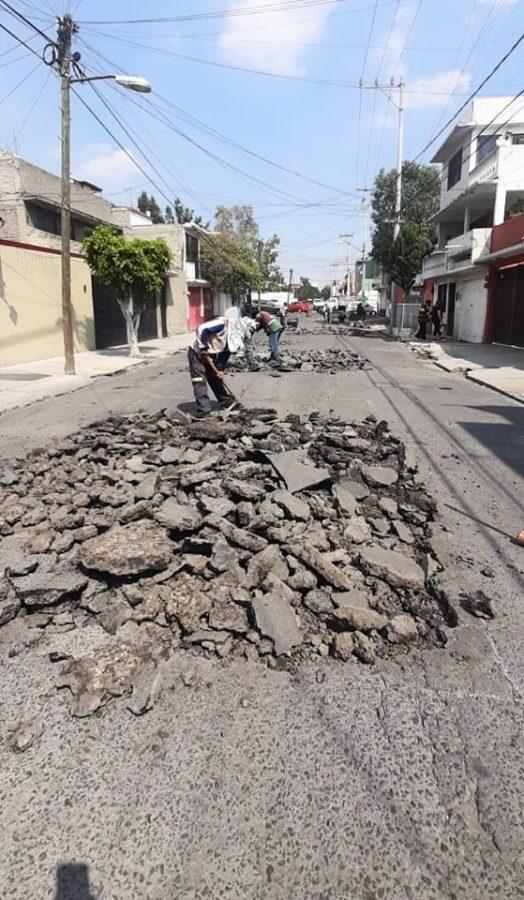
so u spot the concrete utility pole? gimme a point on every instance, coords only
(400, 154)
(66, 29)
(289, 285)
(346, 238)
(67, 60)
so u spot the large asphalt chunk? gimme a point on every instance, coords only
(276, 619)
(130, 549)
(396, 569)
(322, 566)
(178, 516)
(43, 588)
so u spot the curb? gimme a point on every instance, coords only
(471, 377)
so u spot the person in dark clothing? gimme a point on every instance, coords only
(361, 312)
(423, 315)
(436, 320)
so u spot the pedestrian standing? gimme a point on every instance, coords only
(436, 320)
(273, 328)
(422, 317)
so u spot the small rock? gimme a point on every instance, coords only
(402, 628)
(344, 498)
(293, 506)
(380, 476)
(393, 567)
(177, 516)
(318, 601)
(229, 617)
(357, 531)
(343, 646)
(403, 532)
(478, 605)
(146, 691)
(25, 735)
(276, 620)
(357, 618)
(42, 588)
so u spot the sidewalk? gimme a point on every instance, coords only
(26, 383)
(496, 367)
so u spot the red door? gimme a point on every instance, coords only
(208, 305)
(195, 317)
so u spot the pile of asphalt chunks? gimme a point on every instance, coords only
(328, 362)
(257, 538)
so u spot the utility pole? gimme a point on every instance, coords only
(400, 153)
(66, 28)
(289, 285)
(346, 238)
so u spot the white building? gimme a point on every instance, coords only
(482, 178)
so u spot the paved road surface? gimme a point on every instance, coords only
(339, 782)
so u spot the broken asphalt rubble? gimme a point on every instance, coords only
(259, 538)
(327, 361)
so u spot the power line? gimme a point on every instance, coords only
(27, 21)
(286, 6)
(20, 41)
(20, 83)
(472, 95)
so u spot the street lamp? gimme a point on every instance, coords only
(66, 29)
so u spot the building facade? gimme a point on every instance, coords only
(30, 269)
(482, 181)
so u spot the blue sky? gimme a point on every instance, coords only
(337, 135)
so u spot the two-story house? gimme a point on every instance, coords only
(482, 181)
(30, 268)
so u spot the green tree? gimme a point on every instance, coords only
(420, 201)
(168, 216)
(325, 292)
(229, 266)
(133, 270)
(239, 222)
(409, 249)
(307, 291)
(185, 214)
(148, 204)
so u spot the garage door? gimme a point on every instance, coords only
(508, 307)
(110, 329)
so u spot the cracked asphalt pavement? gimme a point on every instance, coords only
(403, 780)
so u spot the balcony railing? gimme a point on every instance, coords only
(486, 171)
(461, 252)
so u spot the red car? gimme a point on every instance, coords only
(299, 306)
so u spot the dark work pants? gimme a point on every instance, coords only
(202, 376)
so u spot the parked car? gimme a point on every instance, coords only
(299, 306)
(319, 304)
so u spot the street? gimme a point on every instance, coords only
(326, 780)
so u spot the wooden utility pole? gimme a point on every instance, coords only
(66, 29)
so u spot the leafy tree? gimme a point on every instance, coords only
(420, 200)
(149, 205)
(239, 222)
(409, 249)
(184, 214)
(229, 266)
(307, 291)
(168, 216)
(325, 292)
(133, 270)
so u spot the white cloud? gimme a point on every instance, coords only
(432, 91)
(394, 42)
(279, 35)
(105, 166)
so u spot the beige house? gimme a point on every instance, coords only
(30, 268)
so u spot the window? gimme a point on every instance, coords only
(43, 219)
(455, 169)
(191, 248)
(517, 138)
(486, 144)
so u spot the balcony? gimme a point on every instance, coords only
(486, 171)
(462, 252)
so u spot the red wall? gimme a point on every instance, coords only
(508, 234)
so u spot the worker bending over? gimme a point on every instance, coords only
(273, 327)
(208, 357)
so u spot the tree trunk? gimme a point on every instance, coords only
(131, 328)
